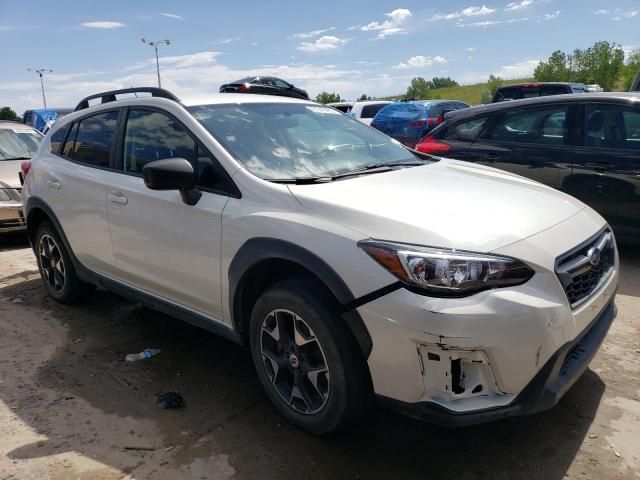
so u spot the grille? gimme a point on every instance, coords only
(583, 269)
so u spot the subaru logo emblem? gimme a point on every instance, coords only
(594, 257)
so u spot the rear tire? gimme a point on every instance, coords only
(306, 358)
(56, 268)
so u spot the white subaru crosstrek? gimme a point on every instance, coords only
(354, 268)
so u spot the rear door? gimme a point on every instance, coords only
(607, 169)
(76, 188)
(534, 142)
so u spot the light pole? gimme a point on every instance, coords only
(154, 44)
(41, 72)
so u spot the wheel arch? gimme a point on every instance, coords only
(262, 262)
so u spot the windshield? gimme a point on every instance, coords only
(289, 140)
(18, 142)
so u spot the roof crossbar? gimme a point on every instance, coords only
(110, 96)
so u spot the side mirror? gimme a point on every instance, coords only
(172, 174)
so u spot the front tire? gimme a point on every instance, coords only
(306, 358)
(56, 269)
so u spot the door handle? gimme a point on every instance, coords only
(118, 198)
(55, 184)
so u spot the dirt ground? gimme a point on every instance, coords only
(72, 408)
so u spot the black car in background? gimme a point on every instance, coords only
(586, 145)
(635, 86)
(264, 86)
(519, 91)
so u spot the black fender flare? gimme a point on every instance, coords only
(259, 249)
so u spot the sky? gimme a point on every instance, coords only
(350, 47)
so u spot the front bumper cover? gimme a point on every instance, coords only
(543, 392)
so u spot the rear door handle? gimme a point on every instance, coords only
(55, 184)
(118, 198)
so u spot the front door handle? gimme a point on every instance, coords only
(55, 184)
(118, 198)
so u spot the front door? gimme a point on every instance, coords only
(161, 245)
(607, 169)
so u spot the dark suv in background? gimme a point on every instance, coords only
(536, 89)
(586, 145)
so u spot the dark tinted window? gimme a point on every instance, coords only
(151, 136)
(57, 139)
(555, 90)
(281, 83)
(95, 136)
(67, 150)
(533, 125)
(613, 126)
(369, 111)
(469, 129)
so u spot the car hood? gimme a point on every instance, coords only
(447, 203)
(9, 175)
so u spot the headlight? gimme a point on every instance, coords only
(441, 272)
(4, 195)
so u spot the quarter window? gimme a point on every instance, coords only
(530, 125)
(470, 129)
(94, 139)
(57, 139)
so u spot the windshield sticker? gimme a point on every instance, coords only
(328, 110)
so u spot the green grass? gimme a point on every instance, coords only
(471, 94)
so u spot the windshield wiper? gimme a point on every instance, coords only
(15, 158)
(301, 180)
(373, 168)
(379, 168)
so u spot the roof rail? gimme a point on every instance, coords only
(111, 95)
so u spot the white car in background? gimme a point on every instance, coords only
(365, 111)
(344, 107)
(354, 268)
(18, 143)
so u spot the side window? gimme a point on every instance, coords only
(151, 136)
(94, 139)
(57, 139)
(613, 126)
(468, 130)
(67, 150)
(531, 125)
(281, 83)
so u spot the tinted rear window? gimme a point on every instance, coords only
(94, 139)
(369, 111)
(401, 111)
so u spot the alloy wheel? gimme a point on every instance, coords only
(52, 263)
(294, 361)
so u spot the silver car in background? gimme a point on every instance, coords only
(18, 143)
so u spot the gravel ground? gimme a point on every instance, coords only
(72, 408)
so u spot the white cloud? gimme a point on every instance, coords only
(103, 25)
(465, 12)
(224, 41)
(313, 33)
(519, 5)
(393, 26)
(322, 44)
(552, 16)
(470, 49)
(618, 13)
(171, 15)
(484, 24)
(420, 61)
(518, 70)
(518, 20)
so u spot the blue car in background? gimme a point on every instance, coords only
(409, 121)
(43, 119)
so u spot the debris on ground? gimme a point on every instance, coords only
(613, 449)
(593, 435)
(138, 447)
(169, 400)
(146, 353)
(17, 300)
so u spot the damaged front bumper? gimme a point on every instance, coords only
(543, 392)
